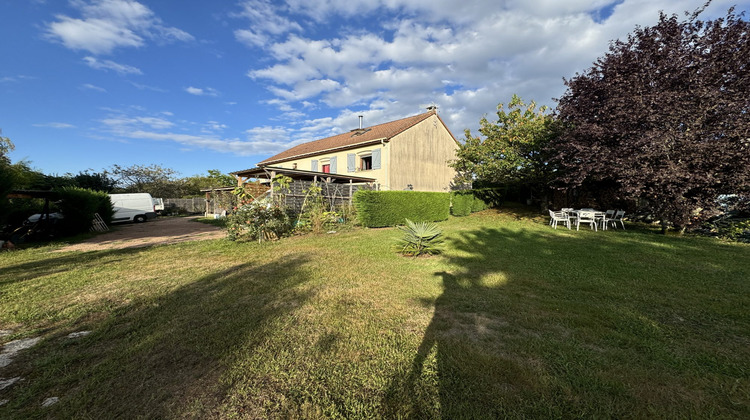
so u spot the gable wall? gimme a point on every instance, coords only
(419, 156)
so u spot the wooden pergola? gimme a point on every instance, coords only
(265, 174)
(300, 179)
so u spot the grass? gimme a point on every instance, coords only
(514, 319)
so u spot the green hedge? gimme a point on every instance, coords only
(461, 203)
(390, 208)
(466, 202)
(78, 206)
(477, 204)
(490, 197)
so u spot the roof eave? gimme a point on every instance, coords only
(322, 152)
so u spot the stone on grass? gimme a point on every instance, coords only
(49, 401)
(78, 334)
(11, 348)
(4, 383)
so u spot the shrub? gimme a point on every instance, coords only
(733, 230)
(466, 202)
(78, 206)
(461, 203)
(390, 208)
(490, 197)
(477, 204)
(420, 238)
(259, 220)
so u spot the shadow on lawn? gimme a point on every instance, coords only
(462, 355)
(158, 356)
(41, 267)
(538, 324)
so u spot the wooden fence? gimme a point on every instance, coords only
(223, 201)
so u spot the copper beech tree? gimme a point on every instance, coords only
(664, 116)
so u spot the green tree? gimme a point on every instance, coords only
(6, 177)
(214, 179)
(96, 181)
(509, 151)
(153, 179)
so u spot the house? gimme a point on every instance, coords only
(410, 153)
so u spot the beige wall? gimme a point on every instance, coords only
(379, 174)
(419, 157)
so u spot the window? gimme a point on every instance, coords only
(326, 169)
(365, 163)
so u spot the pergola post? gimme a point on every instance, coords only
(351, 196)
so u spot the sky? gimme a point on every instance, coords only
(196, 85)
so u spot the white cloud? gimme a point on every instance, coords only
(141, 86)
(207, 91)
(213, 127)
(89, 86)
(122, 123)
(109, 24)
(14, 79)
(269, 134)
(55, 125)
(121, 69)
(231, 145)
(265, 22)
(127, 124)
(422, 51)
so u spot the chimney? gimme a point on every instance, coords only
(360, 130)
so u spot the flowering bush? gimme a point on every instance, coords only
(259, 220)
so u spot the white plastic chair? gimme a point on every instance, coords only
(558, 216)
(586, 217)
(608, 215)
(618, 218)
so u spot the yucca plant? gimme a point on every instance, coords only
(420, 238)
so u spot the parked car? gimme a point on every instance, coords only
(54, 218)
(137, 207)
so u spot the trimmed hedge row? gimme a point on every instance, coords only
(466, 202)
(390, 208)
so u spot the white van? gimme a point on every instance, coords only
(158, 205)
(137, 207)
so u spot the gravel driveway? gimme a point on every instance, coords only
(159, 231)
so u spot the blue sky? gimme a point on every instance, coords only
(197, 85)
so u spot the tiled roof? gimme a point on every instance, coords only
(384, 131)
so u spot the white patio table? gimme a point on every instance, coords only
(598, 216)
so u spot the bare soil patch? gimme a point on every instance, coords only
(159, 231)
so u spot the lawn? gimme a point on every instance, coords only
(515, 319)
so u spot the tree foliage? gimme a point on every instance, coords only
(664, 116)
(511, 150)
(214, 179)
(154, 179)
(160, 181)
(6, 177)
